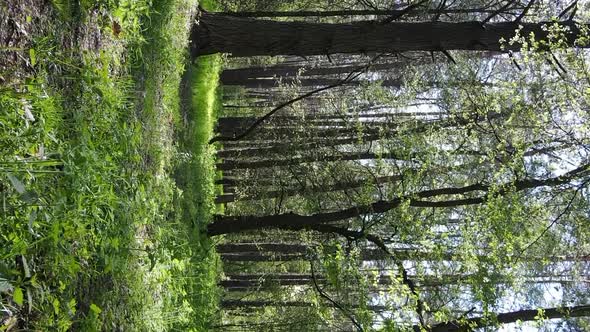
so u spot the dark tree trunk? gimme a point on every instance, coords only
(275, 247)
(369, 113)
(237, 75)
(218, 33)
(234, 304)
(291, 191)
(261, 257)
(277, 132)
(295, 255)
(240, 283)
(469, 324)
(227, 181)
(273, 276)
(292, 221)
(270, 147)
(264, 326)
(230, 164)
(359, 12)
(264, 83)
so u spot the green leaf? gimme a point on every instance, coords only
(26, 268)
(29, 300)
(95, 309)
(56, 308)
(72, 306)
(33, 56)
(18, 296)
(16, 183)
(5, 285)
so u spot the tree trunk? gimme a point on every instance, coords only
(308, 145)
(280, 132)
(228, 181)
(261, 257)
(359, 12)
(238, 75)
(232, 164)
(470, 324)
(265, 83)
(266, 282)
(234, 304)
(291, 191)
(286, 248)
(218, 33)
(292, 221)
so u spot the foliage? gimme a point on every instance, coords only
(473, 176)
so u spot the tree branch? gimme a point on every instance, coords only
(336, 305)
(524, 11)
(234, 224)
(379, 243)
(555, 221)
(499, 11)
(403, 12)
(471, 324)
(574, 6)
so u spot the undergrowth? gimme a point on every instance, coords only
(95, 233)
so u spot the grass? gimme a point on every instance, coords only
(195, 178)
(95, 232)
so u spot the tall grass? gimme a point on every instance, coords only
(195, 177)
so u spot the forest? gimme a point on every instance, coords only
(294, 165)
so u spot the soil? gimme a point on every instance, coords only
(20, 22)
(24, 22)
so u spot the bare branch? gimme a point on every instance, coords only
(439, 10)
(336, 305)
(555, 221)
(403, 12)
(511, 55)
(494, 14)
(448, 55)
(574, 6)
(558, 63)
(524, 11)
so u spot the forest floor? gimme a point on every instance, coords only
(105, 178)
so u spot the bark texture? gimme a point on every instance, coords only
(218, 33)
(510, 317)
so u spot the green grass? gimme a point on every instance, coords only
(95, 232)
(195, 177)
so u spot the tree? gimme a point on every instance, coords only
(218, 33)
(226, 225)
(510, 317)
(489, 203)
